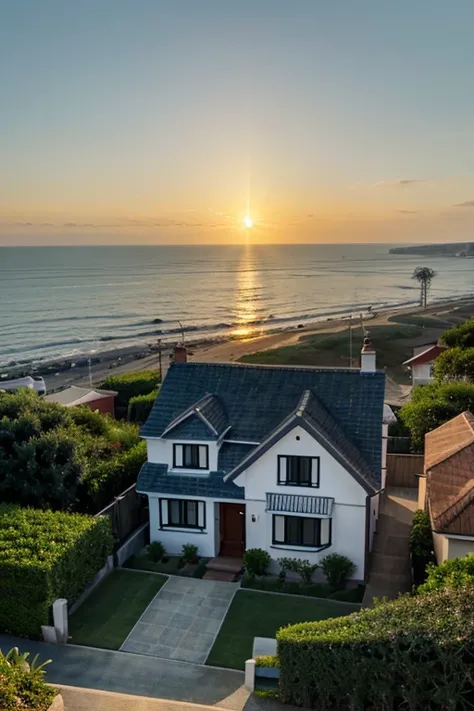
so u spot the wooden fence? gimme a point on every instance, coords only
(403, 468)
(127, 512)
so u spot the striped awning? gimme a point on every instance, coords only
(288, 503)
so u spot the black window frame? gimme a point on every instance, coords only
(196, 446)
(183, 514)
(315, 461)
(300, 543)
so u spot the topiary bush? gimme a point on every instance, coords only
(454, 573)
(411, 653)
(190, 553)
(129, 385)
(45, 555)
(156, 551)
(139, 407)
(22, 684)
(337, 570)
(256, 561)
(421, 545)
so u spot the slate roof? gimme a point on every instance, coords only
(204, 419)
(449, 469)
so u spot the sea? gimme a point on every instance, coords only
(68, 302)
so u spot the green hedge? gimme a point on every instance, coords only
(453, 573)
(421, 545)
(139, 407)
(411, 653)
(111, 477)
(45, 555)
(129, 385)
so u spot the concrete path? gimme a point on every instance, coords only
(390, 571)
(136, 674)
(182, 620)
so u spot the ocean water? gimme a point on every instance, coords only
(69, 301)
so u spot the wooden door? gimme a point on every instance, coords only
(232, 530)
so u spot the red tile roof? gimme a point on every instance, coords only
(427, 356)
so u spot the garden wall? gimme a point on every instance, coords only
(402, 469)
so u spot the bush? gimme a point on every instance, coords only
(461, 336)
(129, 385)
(256, 561)
(110, 477)
(45, 555)
(139, 407)
(156, 551)
(190, 553)
(412, 653)
(453, 573)
(22, 683)
(421, 539)
(337, 570)
(306, 570)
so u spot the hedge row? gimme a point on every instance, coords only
(45, 555)
(139, 407)
(454, 573)
(129, 385)
(111, 477)
(421, 545)
(412, 653)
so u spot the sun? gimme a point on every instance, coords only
(248, 222)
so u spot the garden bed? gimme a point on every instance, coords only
(172, 565)
(269, 583)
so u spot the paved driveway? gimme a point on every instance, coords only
(182, 620)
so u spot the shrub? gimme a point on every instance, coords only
(22, 683)
(414, 653)
(139, 407)
(337, 570)
(452, 573)
(45, 555)
(256, 561)
(129, 385)
(421, 539)
(156, 551)
(288, 565)
(190, 553)
(306, 570)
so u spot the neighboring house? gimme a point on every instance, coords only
(446, 489)
(421, 363)
(285, 459)
(101, 400)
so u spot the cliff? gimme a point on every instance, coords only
(451, 249)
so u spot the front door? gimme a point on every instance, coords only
(232, 530)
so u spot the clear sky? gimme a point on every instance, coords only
(171, 121)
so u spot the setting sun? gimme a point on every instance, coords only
(248, 222)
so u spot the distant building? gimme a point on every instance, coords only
(421, 363)
(101, 400)
(446, 489)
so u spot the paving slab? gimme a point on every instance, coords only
(182, 620)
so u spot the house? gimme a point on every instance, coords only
(101, 400)
(288, 459)
(421, 363)
(446, 489)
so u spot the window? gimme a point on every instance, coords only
(180, 513)
(298, 471)
(190, 456)
(302, 531)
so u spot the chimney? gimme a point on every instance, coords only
(180, 354)
(367, 357)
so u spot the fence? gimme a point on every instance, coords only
(402, 469)
(127, 512)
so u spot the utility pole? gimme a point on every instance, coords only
(350, 341)
(182, 332)
(160, 364)
(89, 363)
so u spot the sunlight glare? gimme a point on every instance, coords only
(248, 222)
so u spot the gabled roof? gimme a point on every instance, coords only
(427, 356)
(75, 395)
(449, 469)
(205, 419)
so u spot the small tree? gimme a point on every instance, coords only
(461, 336)
(424, 275)
(455, 364)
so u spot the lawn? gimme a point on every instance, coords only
(257, 614)
(107, 616)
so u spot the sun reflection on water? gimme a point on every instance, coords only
(247, 286)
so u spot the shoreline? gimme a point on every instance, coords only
(134, 358)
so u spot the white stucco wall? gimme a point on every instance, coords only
(161, 451)
(173, 538)
(440, 546)
(349, 513)
(459, 547)
(421, 373)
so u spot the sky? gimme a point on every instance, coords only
(171, 122)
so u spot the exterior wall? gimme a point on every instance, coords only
(384, 454)
(173, 538)
(349, 512)
(459, 547)
(105, 405)
(440, 545)
(422, 373)
(422, 492)
(161, 451)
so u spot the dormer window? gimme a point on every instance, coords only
(298, 471)
(190, 456)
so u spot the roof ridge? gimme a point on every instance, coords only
(443, 456)
(269, 366)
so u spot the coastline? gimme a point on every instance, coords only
(134, 358)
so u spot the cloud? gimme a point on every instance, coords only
(409, 181)
(467, 203)
(23, 224)
(407, 212)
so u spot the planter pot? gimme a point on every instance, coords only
(58, 704)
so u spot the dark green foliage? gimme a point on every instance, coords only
(337, 570)
(45, 555)
(453, 573)
(190, 553)
(22, 684)
(200, 569)
(156, 551)
(433, 405)
(129, 385)
(256, 561)
(413, 653)
(139, 407)
(64, 458)
(455, 364)
(421, 539)
(461, 336)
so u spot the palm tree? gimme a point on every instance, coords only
(424, 275)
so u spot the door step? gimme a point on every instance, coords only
(223, 568)
(218, 575)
